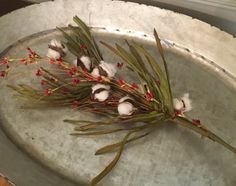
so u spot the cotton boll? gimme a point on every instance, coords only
(53, 54)
(95, 72)
(100, 91)
(109, 68)
(178, 104)
(125, 108)
(56, 43)
(86, 61)
(56, 49)
(100, 86)
(101, 96)
(187, 102)
(184, 104)
(124, 99)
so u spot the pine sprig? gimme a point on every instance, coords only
(150, 105)
(81, 42)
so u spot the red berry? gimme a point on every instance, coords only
(32, 53)
(83, 47)
(2, 73)
(4, 61)
(48, 92)
(134, 86)
(178, 112)
(24, 61)
(120, 65)
(90, 78)
(75, 81)
(38, 72)
(44, 82)
(72, 71)
(99, 79)
(121, 82)
(52, 61)
(149, 96)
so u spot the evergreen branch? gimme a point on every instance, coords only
(147, 107)
(86, 31)
(160, 49)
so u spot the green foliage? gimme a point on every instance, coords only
(150, 113)
(81, 42)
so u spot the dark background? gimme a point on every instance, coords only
(7, 6)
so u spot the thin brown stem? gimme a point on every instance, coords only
(203, 131)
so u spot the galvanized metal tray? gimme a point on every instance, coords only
(201, 59)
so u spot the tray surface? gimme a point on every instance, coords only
(169, 156)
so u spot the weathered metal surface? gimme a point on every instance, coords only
(183, 30)
(22, 170)
(171, 155)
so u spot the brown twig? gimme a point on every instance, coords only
(203, 131)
